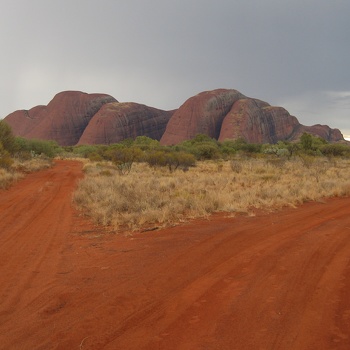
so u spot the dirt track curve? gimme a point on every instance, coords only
(273, 281)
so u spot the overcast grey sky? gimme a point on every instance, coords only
(291, 53)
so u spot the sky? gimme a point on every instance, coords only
(289, 53)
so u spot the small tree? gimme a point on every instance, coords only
(336, 150)
(37, 147)
(146, 143)
(200, 138)
(124, 157)
(173, 160)
(306, 141)
(206, 150)
(5, 158)
(156, 158)
(7, 138)
(182, 160)
(312, 144)
(84, 150)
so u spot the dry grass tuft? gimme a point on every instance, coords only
(8, 177)
(154, 197)
(19, 168)
(31, 165)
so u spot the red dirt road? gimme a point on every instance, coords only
(273, 281)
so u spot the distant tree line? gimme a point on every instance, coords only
(12, 147)
(180, 156)
(202, 147)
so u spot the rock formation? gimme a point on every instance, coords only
(201, 114)
(23, 122)
(227, 114)
(64, 119)
(257, 122)
(115, 122)
(323, 131)
(74, 117)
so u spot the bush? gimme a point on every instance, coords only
(7, 138)
(206, 151)
(156, 158)
(311, 144)
(95, 157)
(251, 148)
(36, 147)
(279, 150)
(146, 143)
(202, 147)
(306, 141)
(124, 157)
(227, 150)
(5, 158)
(233, 146)
(84, 150)
(171, 159)
(335, 150)
(182, 160)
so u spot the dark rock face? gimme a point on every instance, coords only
(324, 131)
(257, 122)
(64, 119)
(74, 117)
(201, 114)
(227, 114)
(115, 122)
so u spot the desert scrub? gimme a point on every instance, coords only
(156, 197)
(32, 164)
(18, 168)
(8, 177)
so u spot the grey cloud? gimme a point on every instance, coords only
(162, 52)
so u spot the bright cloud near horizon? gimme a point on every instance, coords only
(292, 53)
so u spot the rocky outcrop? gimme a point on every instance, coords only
(74, 117)
(201, 114)
(324, 131)
(23, 122)
(64, 119)
(227, 114)
(257, 122)
(115, 122)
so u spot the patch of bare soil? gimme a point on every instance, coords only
(273, 281)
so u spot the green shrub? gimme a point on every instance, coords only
(36, 147)
(202, 147)
(95, 157)
(240, 145)
(311, 144)
(84, 150)
(206, 151)
(7, 138)
(124, 157)
(179, 160)
(279, 150)
(171, 159)
(336, 150)
(5, 158)
(156, 158)
(146, 143)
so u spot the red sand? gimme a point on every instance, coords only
(273, 281)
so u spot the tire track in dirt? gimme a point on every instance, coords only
(35, 219)
(251, 269)
(274, 281)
